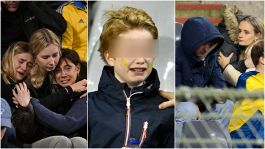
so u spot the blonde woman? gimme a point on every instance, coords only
(45, 47)
(250, 30)
(16, 65)
(46, 51)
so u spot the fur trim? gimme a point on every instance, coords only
(231, 22)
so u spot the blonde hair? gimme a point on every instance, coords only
(123, 20)
(8, 68)
(39, 40)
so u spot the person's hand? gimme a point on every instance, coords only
(223, 60)
(21, 95)
(79, 86)
(168, 95)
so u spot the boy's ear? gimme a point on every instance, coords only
(109, 59)
(261, 60)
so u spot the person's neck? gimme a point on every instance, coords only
(260, 69)
(131, 85)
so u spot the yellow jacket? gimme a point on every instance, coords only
(76, 35)
(244, 110)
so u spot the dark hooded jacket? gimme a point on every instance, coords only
(109, 115)
(191, 71)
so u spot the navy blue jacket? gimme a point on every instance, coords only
(190, 71)
(108, 114)
(67, 124)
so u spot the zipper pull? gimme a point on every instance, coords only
(128, 103)
(144, 134)
(145, 125)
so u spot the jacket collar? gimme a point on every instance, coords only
(80, 5)
(110, 85)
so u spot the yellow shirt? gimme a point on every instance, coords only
(245, 109)
(76, 34)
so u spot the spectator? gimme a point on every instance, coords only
(128, 81)
(46, 51)
(251, 29)
(196, 66)
(76, 34)
(16, 65)
(8, 135)
(112, 91)
(21, 19)
(247, 121)
(68, 74)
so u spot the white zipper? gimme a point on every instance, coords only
(144, 133)
(128, 115)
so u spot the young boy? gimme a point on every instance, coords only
(247, 120)
(124, 111)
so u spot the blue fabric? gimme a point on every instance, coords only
(190, 71)
(73, 120)
(246, 130)
(79, 4)
(242, 80)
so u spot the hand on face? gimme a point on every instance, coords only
(21, 95)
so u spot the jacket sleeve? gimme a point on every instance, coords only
(231, 75)
(217, 78)
(67, 39)
(55, 99)
(24, 122)
(73, 120)
(48, 17)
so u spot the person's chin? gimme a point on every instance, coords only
(50, 69)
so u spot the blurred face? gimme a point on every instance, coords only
(48, 58)
(23, 63)
(66, 73)
(205, 49)
(246, 34)
(12, 6)
(132, 56)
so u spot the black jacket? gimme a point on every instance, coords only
(108, 115)
(19, 25)
(23, 119)
(228, 28)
